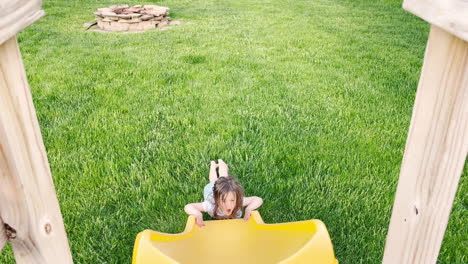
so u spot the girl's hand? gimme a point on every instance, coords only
(252, 203)
(196, 209)
(200, 222)
(247, 214)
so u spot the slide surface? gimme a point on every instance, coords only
(238, 241)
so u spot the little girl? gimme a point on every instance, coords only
(224, 197)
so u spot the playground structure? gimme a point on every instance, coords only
(435, 152)
(251, 242)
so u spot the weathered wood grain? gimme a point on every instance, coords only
(435, 153)
(15, 15)
(451, 15)
(3, 238)
(29, 207)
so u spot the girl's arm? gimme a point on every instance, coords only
(252, 203)
(196, 210)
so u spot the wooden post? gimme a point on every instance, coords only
(15, 15)
(435, 153)
(450, 15)
(3, 238)
(29, 208)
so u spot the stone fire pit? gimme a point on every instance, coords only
(132, 18)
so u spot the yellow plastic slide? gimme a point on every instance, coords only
(237, 241)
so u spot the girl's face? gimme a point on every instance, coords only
(228, 204)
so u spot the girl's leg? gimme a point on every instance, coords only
(223, 168)
(213, 174)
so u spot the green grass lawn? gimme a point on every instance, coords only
(308, 101)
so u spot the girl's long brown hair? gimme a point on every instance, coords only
(222, 187)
